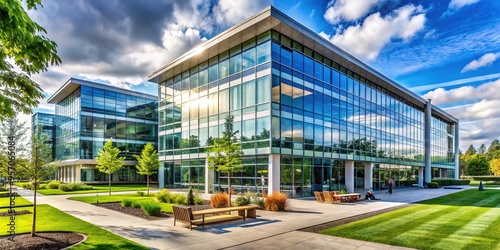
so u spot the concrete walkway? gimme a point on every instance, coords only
(270, 230)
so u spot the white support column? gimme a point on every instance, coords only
(209, 179)
(274, 174)
(349, 176)
(421, 176)
(78, 173)
(368, 175)
(427, 133)
(457, 161)
(161, 176)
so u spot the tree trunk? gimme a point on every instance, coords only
(229, 187)
(109, 180)
(148, 185)
(33, 224)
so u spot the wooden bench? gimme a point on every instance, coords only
(186, 215)
(348, 197)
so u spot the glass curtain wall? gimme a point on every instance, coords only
(194, 105)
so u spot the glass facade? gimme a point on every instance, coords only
(91, 114)
(292, 102)
(44, 124)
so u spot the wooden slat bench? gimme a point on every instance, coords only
(186, 215)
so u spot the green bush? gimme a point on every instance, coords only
(179, 199)
(190, 196)
(53, 184)
(259, 201)
(135, 204)
(163, 196)
(28, 185)
(450, 182)
(42, 186)
(127, 202)
(151, 208)
(74, 187)
(140, 193)
(198, 200)
(432, 185)
(242, 201)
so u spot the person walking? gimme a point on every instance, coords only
(391, 185)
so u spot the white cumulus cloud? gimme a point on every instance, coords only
(484, 61)
(486, 91)
(366, 40)
(348, 10)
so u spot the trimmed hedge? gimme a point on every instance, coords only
(74, 187)
(432, 185)
(487, 180)
(450, 182)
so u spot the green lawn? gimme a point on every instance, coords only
(52, 219)
(166, 207)
(465, 220)
(20, 201)
(100, 188)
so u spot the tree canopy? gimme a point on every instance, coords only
(224, 155)
(108, 160)
(22, 40)
(149, 162)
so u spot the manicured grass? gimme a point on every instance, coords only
(5, 201)
(98, 188)
(166, 207)
(465, 220)
(52, 219)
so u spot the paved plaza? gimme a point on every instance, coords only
(270, 230)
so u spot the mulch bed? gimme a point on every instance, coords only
(45, 241)
(21, 212)
(330, 224)
(117, 206)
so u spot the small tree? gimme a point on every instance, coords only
(190, 196)
(108, 160)
(148, 162)
(37, 167)
(224, 155)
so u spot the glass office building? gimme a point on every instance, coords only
(310, 116)
(43, 124)
(87, 114)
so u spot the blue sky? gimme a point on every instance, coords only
(448, 51)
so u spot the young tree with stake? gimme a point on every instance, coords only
(108, 160)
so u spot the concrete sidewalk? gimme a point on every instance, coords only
(270, 230)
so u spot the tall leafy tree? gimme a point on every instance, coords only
(478, 165)
(493, 150)
(22, 40)
(495, 167)
(37, 167)
(224, 155)
(148, 162)
(481, 149)
(108, 160)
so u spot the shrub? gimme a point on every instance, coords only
(190, 196)
(127, 202)
(449, 182)
(432, 185)
(259, 201)
(74, 187)
(242, 200)
(179, 199)
(135, 204)
(53, 184)
(276, 202)
(198, 200)
(163, 196)
(140, 193)
(28, 185)
(219, 200)
(42, 186)
(151, 208)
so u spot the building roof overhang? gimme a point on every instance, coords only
(73, 83)
(271, 18)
